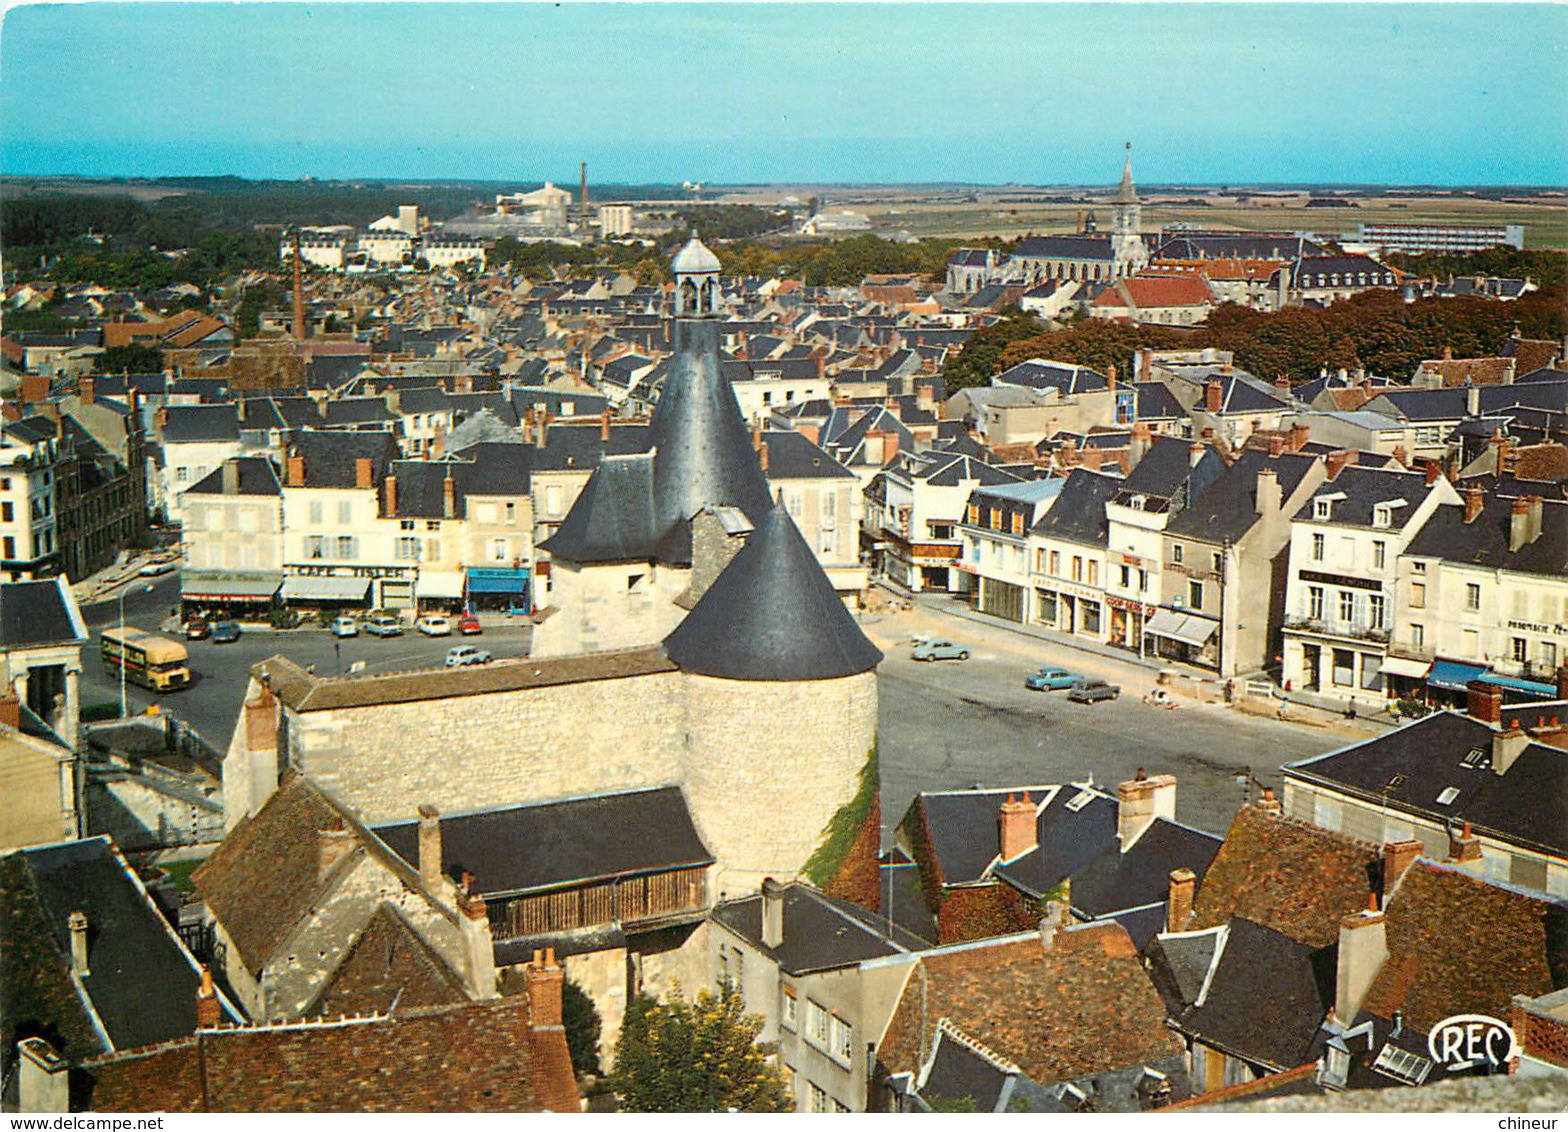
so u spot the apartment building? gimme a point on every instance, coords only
(996, 531)
(29, 467)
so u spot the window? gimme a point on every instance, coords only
(1521, 650)
(348, 546)
(345, 511)
(1347, 606)
(829, 506)
(1377, 611)
(1094, 572)
(1090, 611)
(1056, 563)
(996, 519)
(1549, 656)
(1379, 555)
(1126, 576)
(511, 512)
(791, 1013)
(1418, 636)
(1472, 643)
(500, 549)
(1382, 515)
(1176, 552)
(816, 1024)
(434, 525)
(1472, 596)
(407, 549)
(1195, 594)
(1322, 508)
(10, 546)
(316, 547)
(827, 541)
(315, 513)
(1344, 668)
(1018, 522)
(1317, 548)
(819, 1099)
(1143, 581)
(1417, 595)
(1418, 567)
(406, 525)
(552, 499)
(792, 503)
(974, 514)
(1219, 563)
(843, 1037)
(1315, 603)
(1077, 568)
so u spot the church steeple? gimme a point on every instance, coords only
(1127, 192)
(1126, 217)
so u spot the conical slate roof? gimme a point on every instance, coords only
(703, 452)
(772, 615)
(1126, 193)
(613, 519)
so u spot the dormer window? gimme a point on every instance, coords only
(1382, 515)
(1322, 508)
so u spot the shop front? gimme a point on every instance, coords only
(1175, 634)
(1067, 608)
(1001, 599)
(499, 590)
(1127, 621)
(241, 597)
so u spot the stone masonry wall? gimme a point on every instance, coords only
(609, 606)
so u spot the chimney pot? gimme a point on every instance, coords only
(1484, 702)
(1397, 857)
(544, 979)
(772, 913)
(208, 1011)
(78, 925)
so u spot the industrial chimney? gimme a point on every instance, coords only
(299, 292)
(583, 198)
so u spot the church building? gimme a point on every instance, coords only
(1088, 256)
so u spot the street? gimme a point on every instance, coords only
(219, 672)
(953, 724)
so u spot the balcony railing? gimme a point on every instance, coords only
(631, 900)
(1408, 651)
(1352, 630)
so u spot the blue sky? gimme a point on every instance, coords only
(1034, 93)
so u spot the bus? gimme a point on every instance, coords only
(147, 659)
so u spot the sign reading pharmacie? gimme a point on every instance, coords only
(1467, 1041)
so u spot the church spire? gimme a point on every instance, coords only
(1126, 192)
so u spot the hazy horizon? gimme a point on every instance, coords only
(1440, 95)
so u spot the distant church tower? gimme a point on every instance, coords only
(696, 271)
(1126, 217)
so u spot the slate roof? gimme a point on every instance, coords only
(1364, 488)
(1484, 542)
(821, 932)
(421, 489)
(1226, 509)
(330, 457)
(257, 476)
(1527, 805)
(772, 615)
(960, 1071)
(1038, 373)
(1117, 880)
(482, 1056)
(792, 455)
(1286, 875)
(201, 424)
(1156, 402)
(39, 614)
(1167, 467)
(524, 848)
(1266, 996)
(1078, 515)
(613, 518)
(1085, 1005)
(1065, 247)
(1179, 965)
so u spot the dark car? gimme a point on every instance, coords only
(1092, 691)
(197, 629)
(225, 633)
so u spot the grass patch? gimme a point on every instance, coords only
(843, 828)
(180, 873)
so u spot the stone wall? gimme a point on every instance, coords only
(493, 749)
(766, 765)
(614, 605)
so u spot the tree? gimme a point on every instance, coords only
(581, 1019)
(701, 1056)
(134, 358)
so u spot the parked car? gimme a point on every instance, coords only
(469, 625)
(158, 569)
(225, 633)
(197, 629)
(1092, 691)
(464, 655)
(939, 649)
(434, 625)
(383, 625)
(1051, 680)
(344, 627)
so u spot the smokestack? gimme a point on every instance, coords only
(299, 292)
(78, 925)
(430, 847)
(772, 913)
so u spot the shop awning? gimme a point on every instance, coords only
(448, 584)
(301, 588)
(1452, 676)
(1534, 687)
(1399, 666)
(1188, 628)
(230, 587)
(498, 581)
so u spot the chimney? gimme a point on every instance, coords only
(430, 848)
(1110, 377)
(1139, 801)
(208, 1011)
(1431, 472)
(390, 486)
(1535, 504)
(10, 710)
(1015, 827)
(1194, 453)
(1213, 393)
(544, 979)
(772, 913)
(1138, 445)
(86, 390)
(231, 476)
(1363, 949)
(1144, 366)
(1337, 460)
(296, 471)
(1464, 848)
(1484, 702)
(78, 925)
(762, 453)
(1299, 435)
(1093, 458)
(1178, 904)
(43, 1078)
(1448, 353)
(479, 955)
(1267, 497)
(1518, 524)
(299, 292)
(604, 425)
(1507, 746)
(332, 846)
(1473, 501)
(1058, 914)
(1402, 455)
(1282, 386)
(363, 472)
(449, 496)
(1269, 804)
(1397, 857)
(1277, 444)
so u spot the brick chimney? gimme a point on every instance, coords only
(86, 390)
(1178, 903)
(1473, 502)
(430, 848)
(1282, 386)
(772, 913)
(296, 471)
(1402, 455)
(1144, 366)
(1139, 801)
(1397, 857)
(1015, 827)
(604, 425)
(77, 922)
(1431, 472)
(364, 472)
(208, 1011)
(389, 489)
(10, 710)
(1464, 848)
(1277, 444)
(1269, 804)
(1518, 524)
(1299, 435)
(544, 980)
(1337, 460)
(1363, 949)
(1110, 377)
(1093, 458)
(1484, 702)
(1213, 396)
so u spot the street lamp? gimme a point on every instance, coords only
(147, 589)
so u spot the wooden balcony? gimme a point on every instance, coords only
(633, 902)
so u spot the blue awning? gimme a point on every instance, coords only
(1534, 687)
(1452, 676)
(498, 581)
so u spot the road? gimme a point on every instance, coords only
(219, 672)
(953, 724)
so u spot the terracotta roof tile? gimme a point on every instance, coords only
(1455, 372)
(1286, 875)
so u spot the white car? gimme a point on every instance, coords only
(434, 625)
(344, 627)
(158, 569)
(464, 655)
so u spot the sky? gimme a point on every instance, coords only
(1449, 93)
